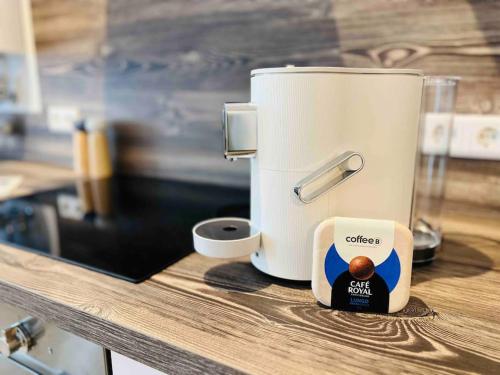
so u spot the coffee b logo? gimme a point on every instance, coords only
(362, 240)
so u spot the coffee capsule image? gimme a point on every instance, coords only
(361, 268)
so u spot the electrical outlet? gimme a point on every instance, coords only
(69, 207)
(436, 133)
(62, 119)
(476, 137)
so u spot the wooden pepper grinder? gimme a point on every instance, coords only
(98, 150)
(80, 150)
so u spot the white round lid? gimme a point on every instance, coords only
(227, 237)
(332, 69)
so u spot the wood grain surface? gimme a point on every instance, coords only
(203, 315)
(35, 176)
(473, 182)
(160, 70)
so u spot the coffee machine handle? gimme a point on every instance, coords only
(239, 127)
(347, 164)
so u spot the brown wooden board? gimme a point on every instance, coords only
(204, 315)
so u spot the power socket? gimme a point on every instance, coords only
(436, 133)
(61, 119)
(69, 207)
(476, 137)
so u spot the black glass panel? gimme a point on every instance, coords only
(127, 227)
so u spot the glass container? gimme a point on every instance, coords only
(437, 121)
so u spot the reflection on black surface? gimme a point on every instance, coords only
(128, 227)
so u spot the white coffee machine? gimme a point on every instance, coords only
(323, 142)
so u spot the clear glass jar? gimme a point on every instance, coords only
(437, 121)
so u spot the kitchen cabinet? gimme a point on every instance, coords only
(125, 366)
(31, 346)
(56, 352)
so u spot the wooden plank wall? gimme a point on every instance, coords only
(69, 37)
(160, 70)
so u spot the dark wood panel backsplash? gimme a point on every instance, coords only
(160, 70)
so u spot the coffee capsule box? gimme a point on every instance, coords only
(362, 264)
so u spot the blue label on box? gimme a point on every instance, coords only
(361, 284)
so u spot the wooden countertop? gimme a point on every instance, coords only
(211, 316)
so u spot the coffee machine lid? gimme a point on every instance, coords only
(226, 237)
(332, 69)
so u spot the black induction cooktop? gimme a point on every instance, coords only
(127, 227)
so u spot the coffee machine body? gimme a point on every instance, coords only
(324, 142)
